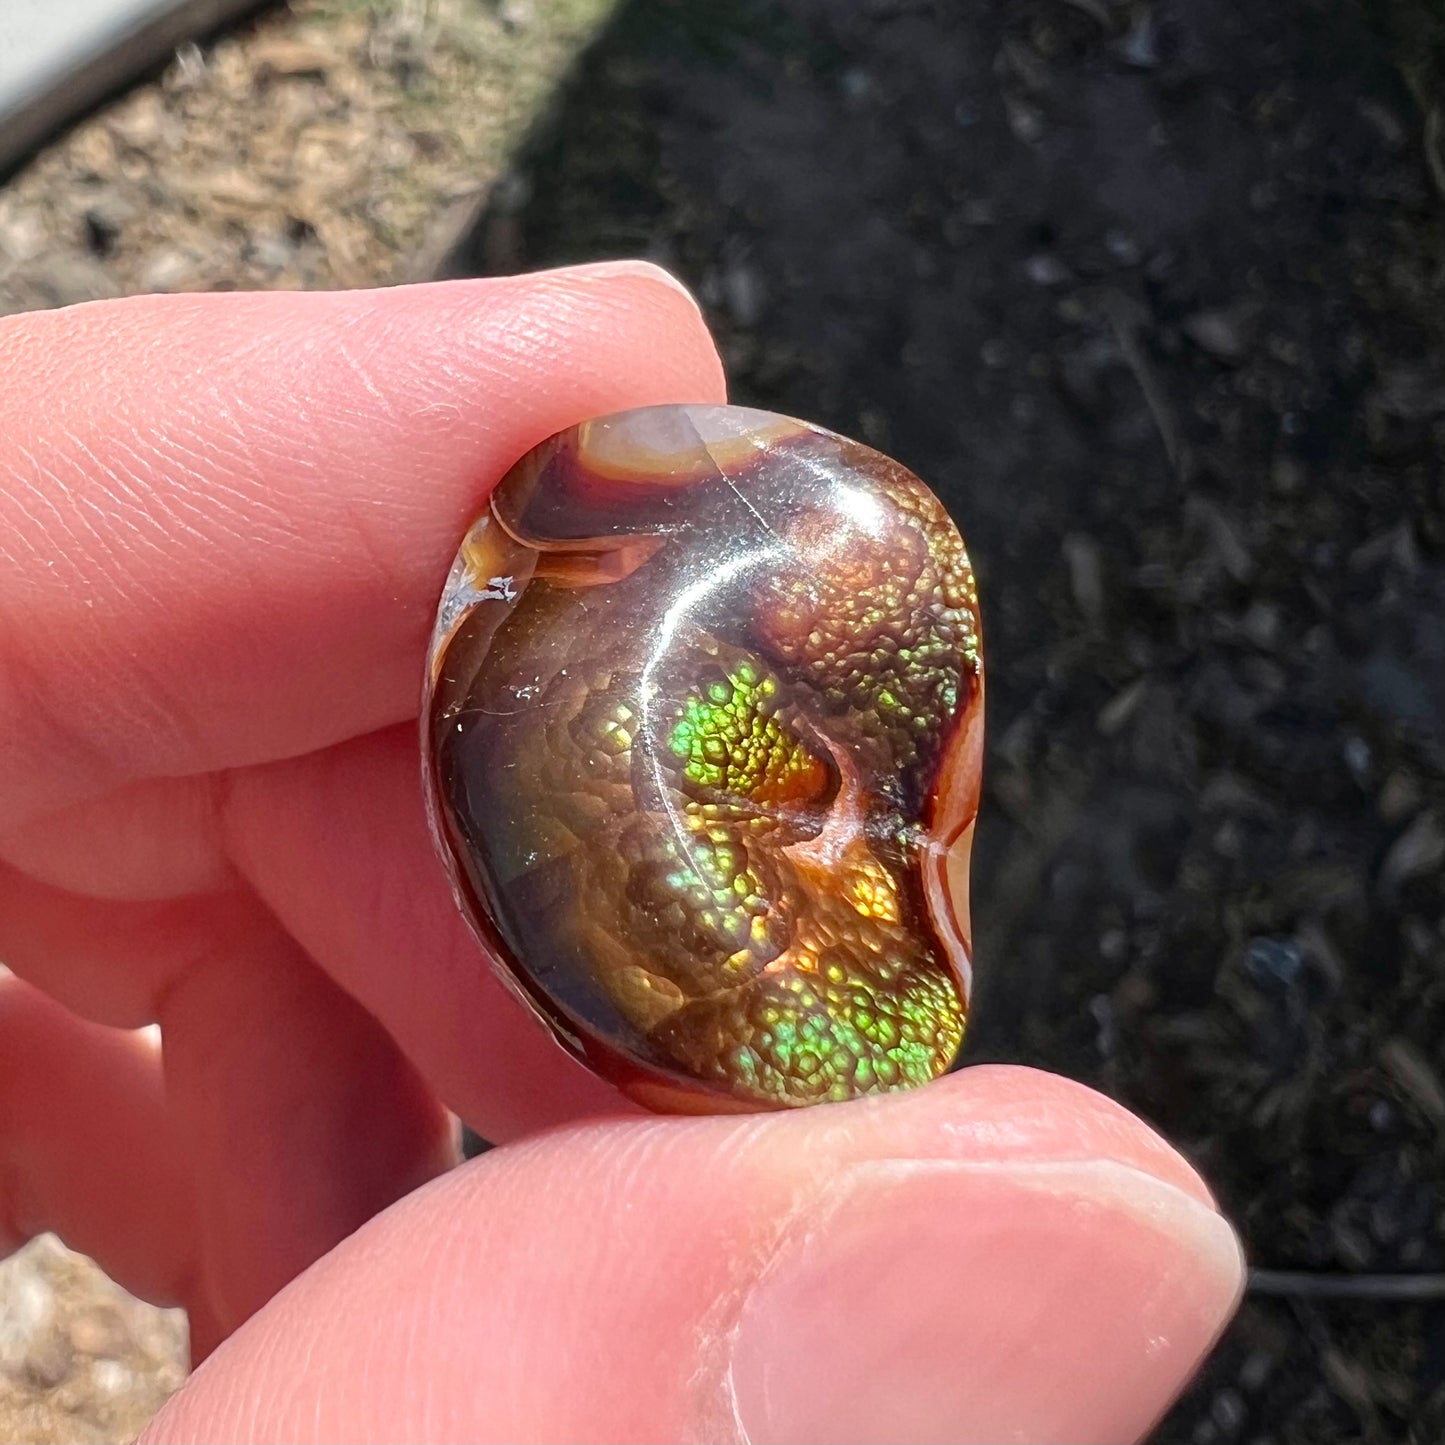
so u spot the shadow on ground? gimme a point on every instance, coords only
(1152, 294)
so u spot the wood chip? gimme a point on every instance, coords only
(1419, 850)
(1415, 1075)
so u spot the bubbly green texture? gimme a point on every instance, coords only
(821, 1028)
(724, 898)
(815, 1038)
(731, 742)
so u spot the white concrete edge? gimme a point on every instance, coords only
(60, 58)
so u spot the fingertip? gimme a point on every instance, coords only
(647, 302)
(953, 1264)
(617, 273)
(1002, 1112)
(566, 317)
(958, 1302)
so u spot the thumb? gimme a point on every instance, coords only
(1000, 1256)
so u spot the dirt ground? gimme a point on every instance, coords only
(331, 143)
(1153, 292)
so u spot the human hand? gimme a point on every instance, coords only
(224, 522)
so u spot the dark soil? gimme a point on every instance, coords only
(1154, 294)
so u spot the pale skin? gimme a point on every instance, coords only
(224, 523)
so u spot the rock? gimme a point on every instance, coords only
(167, 270)
(280, 54)
(1414, 1073)
(1122, 247)
(743, 288)
(23, 232)
(102, 1333)
(1225, 333)
(1419, 850)
(1086, 576)
(48, 1361)
(1140, 45)
(1045, 269)
(517, 14)
(69, 278)
(80, 1360)
(1277, 964)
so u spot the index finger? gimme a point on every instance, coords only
(225, 520)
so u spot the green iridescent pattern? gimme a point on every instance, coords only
(729, 740)
(825, 1026)
(722, 899)
(814, 1038)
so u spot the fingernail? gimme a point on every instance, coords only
(956, 1302)
(643, 270)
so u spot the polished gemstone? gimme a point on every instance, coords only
(703, 731)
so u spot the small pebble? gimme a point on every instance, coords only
(1275, 963)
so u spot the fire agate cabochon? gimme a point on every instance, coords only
(703, 732)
